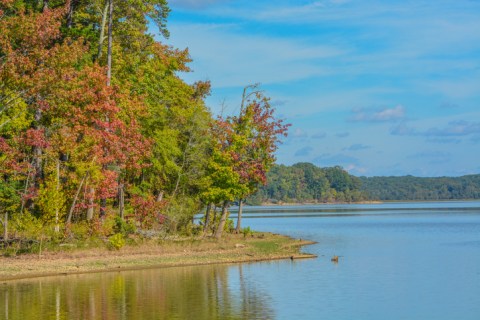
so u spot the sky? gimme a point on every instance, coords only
(381, 88)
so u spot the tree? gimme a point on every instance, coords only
(257, 134)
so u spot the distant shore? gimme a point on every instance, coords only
(171, 253)
(280, 203)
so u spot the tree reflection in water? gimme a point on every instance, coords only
(206, 292)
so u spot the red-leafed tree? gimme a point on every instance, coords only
(243, 152)
(258, 133)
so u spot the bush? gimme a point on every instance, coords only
(123, 227)
(117, 241)
(247, 232)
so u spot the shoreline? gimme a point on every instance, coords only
(191, 252)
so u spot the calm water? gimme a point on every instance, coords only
(397, 261)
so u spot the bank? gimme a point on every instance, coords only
(259, 246)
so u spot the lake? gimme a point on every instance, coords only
(397, 261)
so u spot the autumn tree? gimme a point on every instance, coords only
(257, 134)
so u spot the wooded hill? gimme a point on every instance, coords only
(416, 188)
(305, 183)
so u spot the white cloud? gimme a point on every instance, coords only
(194, 4)
(382, 115)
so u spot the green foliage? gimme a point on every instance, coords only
(123, 227)
(247, 232)
(76, 144)
(304, 182)
(116, 242)
(416, 188)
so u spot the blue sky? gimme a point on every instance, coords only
(377, 87)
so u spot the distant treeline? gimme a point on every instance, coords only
(307, 183)
(415, 188)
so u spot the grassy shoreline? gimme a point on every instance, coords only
(154, 254)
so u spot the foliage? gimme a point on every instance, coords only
(417, 188)
(116, 242)
(247, 232)
(96, 122)
(304, 182)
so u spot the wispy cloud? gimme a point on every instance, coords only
(328, 160)
(319, 135)
(356, 147)
(299, 133)
(415, 63)
(305, 151)
(342, 134)
(232, 58)
(195, 4)
(379, 115)
(457, 128)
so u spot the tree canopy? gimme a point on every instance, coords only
(96, 122)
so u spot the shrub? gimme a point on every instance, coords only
(117, 241)
(247, 232)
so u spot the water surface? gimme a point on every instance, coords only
(397, 261)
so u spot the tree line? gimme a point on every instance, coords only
(417, 188)
(96, 125)
(307, 183)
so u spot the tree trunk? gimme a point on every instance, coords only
(38, 152)
(160, 196)
(70, 213)
(223, 219)
(4, 221)
(239, 218)
(207, 219)
(102, 30)
(57, 209)
(71, 7)
(103, 207)
(90, 209)
(109, 51)
(121, 200)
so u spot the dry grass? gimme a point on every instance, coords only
(182, 252)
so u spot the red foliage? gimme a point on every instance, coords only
(147, 210)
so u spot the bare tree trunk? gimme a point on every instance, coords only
(90, 209)
(160, 196)
(207, 219)
(121, 200)
(38, 152)
(223, 219)
(239, 218)
(70, 213)
(22, 206)
(57, 209)
(4, 221)
(103, 201)
(109, 51)
(70, 8)
(102, 29)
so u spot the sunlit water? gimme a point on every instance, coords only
(397, 261)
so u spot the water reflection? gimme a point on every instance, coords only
(207, 292)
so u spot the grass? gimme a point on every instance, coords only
(153, 253)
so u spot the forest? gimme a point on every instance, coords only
(307, 183)
(419, 188)
(99, 134)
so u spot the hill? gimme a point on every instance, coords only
(307, 183)
(417, 188)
